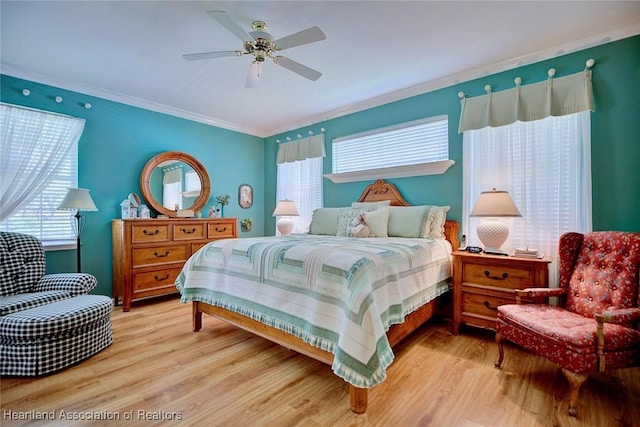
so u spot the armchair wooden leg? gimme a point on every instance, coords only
(499, 341)
(576, 381)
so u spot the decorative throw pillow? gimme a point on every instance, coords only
(434, 225)
(347, 216)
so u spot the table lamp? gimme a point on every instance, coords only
(285, 210)
(493, 231)
(78, 199)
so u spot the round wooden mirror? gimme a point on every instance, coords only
(151, 182)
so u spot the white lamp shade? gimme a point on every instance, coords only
(285, 208)
(78, 199)
(493, 231)
(495, 203)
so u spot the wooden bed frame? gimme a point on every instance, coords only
(379, 190)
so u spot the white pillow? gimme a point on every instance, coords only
(377, 221)
(367, 204)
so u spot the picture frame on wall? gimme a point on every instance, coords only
(245, 196)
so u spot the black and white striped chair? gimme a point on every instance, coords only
(47, 322)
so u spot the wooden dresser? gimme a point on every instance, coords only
(483, 282)
(148, 254)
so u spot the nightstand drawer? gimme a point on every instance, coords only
(501, 276)
(484, 305)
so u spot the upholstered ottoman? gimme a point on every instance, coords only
(53, 336)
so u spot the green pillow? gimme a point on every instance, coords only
(407, 221)
(325, 221)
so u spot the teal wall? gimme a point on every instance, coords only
(615, 133)
(117, 142)
(119, 139)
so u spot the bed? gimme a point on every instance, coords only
(342, 300)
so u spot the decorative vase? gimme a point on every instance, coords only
(221, 211)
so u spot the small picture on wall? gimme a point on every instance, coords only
(245, 196)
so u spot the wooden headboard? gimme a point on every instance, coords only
(382, 190)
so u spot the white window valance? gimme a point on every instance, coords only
(553, 97)
(302, 149)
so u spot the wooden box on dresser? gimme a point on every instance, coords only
(148, 254)
(482, 282)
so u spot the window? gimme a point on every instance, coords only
(301, 182)
(545, 165)
(416, 148)
(192, 184)
(40, 163)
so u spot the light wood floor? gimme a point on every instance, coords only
(224, 376)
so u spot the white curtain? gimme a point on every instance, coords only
(300, 166)
(26, 162)
(546, 167)
(172, 188)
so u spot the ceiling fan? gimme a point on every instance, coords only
(261, 45)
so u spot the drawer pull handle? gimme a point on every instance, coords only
(185, 231)
(160, 279)
(221, 230)
(166, 253)
(486, 304)
(150, 233)
(504, 276)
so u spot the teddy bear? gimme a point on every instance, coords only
(359, 227)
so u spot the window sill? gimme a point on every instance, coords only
(58, 245)
(431, 168)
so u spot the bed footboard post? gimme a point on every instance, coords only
(358, 399)
(197, 317)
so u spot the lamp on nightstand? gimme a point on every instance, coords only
(285, 210)
(493, 231)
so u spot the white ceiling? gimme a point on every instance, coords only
(375, 51)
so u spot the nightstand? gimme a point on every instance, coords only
(483, 282)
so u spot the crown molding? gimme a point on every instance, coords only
(471, 74)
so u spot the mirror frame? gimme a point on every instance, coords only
(145, 179)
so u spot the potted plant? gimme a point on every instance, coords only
(246, 224)
(222, 200)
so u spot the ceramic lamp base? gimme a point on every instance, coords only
(285, 225)
(493, 233)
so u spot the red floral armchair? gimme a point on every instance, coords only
(596, 325)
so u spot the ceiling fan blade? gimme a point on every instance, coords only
(298, 68)
(253, 76)
(224, 20)
(209, 55)
(307, 36)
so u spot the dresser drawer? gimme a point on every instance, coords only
(221, 230)
(159, 255)
(483, 305)
(146, 233)
(189, 231)
(158, 278)
(498, 275)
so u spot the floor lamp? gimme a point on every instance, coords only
(78, 199)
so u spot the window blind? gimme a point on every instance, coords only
(411, 143)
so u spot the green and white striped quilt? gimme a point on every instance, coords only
(339, 294)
